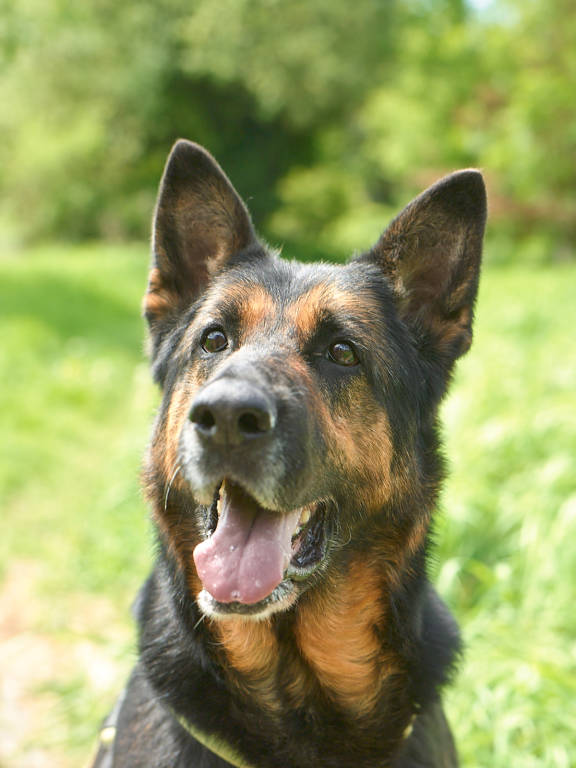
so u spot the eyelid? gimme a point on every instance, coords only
(215, 326)
(322, 346)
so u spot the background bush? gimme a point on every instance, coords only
(327, 117)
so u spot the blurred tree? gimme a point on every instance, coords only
(414, 123)
(94, 95)
(312, 60)
(533, 147)
(81, 87)
(326, 116)
(493, 90)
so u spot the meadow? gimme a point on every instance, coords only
(76, 408)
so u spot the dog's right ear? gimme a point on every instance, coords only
(199, 223)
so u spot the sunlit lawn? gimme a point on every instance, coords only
(75, 409)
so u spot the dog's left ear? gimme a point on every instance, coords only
(199, 223)
(431, 254)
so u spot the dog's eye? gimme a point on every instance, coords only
(214, 340)
(343, 353)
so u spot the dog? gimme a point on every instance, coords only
(292, 474)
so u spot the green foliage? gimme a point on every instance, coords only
(75, 413)
(308, 60)
(97, 93)
(535, 130)
(304, 102)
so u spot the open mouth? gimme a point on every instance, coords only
(253, 557)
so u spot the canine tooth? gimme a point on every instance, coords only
(304, 516)
(297, 533)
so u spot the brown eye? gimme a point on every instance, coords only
(214, 341)
(343, 353)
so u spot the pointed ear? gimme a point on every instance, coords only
(431, 254)
(199, 223)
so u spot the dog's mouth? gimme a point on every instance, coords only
(252, 555)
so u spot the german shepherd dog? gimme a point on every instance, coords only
(293, 472)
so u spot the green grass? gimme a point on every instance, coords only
(75, 414)
(508, 537)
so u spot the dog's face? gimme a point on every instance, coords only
(296, 396)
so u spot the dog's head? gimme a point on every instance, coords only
(299, 400)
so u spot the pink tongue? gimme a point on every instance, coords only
(245, 558)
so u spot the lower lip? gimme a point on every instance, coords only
(283, 593)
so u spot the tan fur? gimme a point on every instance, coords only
(360, 436)
(304, 313)
(177, 414)
(251, 646)
(256, 308)
(363, 444)
(337, 633)
(164, 453)
(158, 300)
(251, 649)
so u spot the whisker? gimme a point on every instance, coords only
(178, 468)
(200, 620)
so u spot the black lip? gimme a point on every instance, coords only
(312, 550)
(212, 521)
(283, 591)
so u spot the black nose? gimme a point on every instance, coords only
(229, 413)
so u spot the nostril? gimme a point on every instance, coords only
(227, 415)
(203, 418)
(253, 423)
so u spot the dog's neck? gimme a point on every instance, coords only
(337, 638)
(337, 656)
(337, 647)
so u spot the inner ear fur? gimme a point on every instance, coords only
(431, 254)
(199, 223)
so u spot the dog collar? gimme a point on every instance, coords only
(213, 743)
(226, 752)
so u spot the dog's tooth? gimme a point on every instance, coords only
(304, 516)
